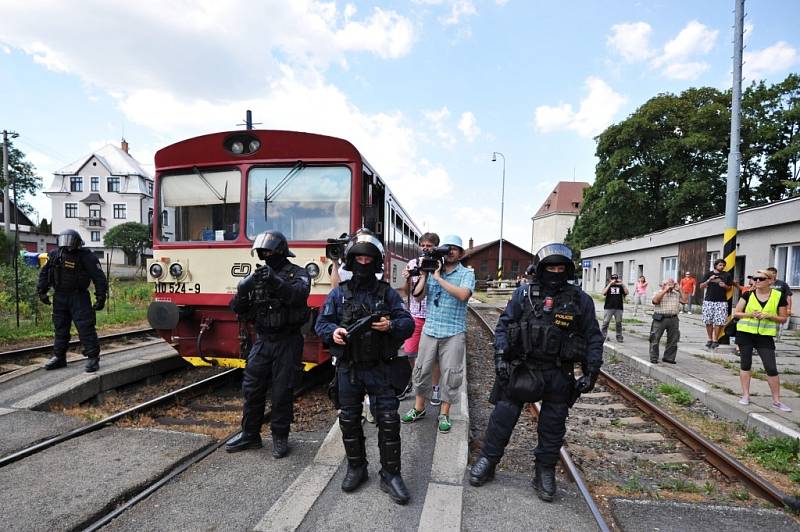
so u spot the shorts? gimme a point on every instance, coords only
(450, 354)
(411, 345)
(715, 313)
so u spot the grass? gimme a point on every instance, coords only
(614, 359)
(127, 305)
(680, 485)
(633, 321)
(632, 485)
(648, 394)
(781, 454)
(678, 394)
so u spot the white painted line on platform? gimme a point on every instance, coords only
(442, 509)
(775, 425)
(292, 507)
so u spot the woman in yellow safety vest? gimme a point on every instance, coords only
(761, 312)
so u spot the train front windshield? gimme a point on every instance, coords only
(302, 202)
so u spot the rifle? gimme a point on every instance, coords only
(364, 324)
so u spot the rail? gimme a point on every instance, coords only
(29, 350)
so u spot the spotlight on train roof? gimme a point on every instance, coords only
(242, 144)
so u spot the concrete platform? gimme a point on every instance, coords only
(641, 516)
(711, 383)
(68, 486)
(21, 428)
(36, 388)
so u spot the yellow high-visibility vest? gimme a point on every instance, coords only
(764, 327)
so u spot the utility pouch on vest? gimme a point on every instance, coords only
(551, 341)
(367, 348)
(525, 385)
(531, 337)
(513, 337)
(573, 348)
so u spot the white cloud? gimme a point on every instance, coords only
(694, 39)
(468, 125)
(631, 41)
(686, 71)
(595, 113)
(776, 58)
(437, 121)
(458, 10)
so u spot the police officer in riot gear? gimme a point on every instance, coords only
(274, 299)
(365, 360)
(546, 328)
(69, 270)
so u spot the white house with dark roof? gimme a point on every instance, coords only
(557, 214)
(99, 191)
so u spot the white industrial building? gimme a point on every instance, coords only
(767, 236)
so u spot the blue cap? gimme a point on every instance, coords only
(452, 240)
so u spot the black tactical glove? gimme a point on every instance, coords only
(266, 275)
(99, 302)
(43, 298)
(502, 368)
(587, 381)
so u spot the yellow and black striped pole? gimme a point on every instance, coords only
(734, 159)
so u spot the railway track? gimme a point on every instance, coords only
(661, 444)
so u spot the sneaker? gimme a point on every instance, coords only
(444, 423)
(619, 339)
(744, 401)
(714, 345)
(405, 393)
(436, 396)
(780, 406)
(412, 415)
(708, 344)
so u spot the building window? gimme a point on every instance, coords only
(95, 219)
(120, 211)
(514, 267)
(632, 272)
(113, 184)
(76, 183)
(711, 258)
(618, 269)
(484, 267)
(787, 262)
(100, 253)
(164, 218)
(150, 187)
(70, 210)
(95, 236)
(95, 183)
(669, 268)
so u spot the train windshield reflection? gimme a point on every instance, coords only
(201, 205)
(302, 202)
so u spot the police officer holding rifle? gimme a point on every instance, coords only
(274, 299)
(546, 328)
(364, 322)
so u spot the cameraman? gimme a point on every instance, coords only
(419, 311)
(667, 303)
(273, 299)
(615, 293)
(443, 340)
(715, 302)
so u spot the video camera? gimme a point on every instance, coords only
(334, 249)
(431, 260)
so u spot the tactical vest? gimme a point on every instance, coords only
(69, 274)
(764, 327)
(548, 332)
(372, 346)
(272, 315)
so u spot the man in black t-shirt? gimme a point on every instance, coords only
(615, 293)
(715, 303)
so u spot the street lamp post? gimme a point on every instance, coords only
(502, 204)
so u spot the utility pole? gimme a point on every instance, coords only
(14, 255)
(734, 158)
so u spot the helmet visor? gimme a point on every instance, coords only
(554, 249)
(68, 240)
(271, 241)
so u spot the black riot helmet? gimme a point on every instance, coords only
(554, 254)
(364, 242)
(70, 239)
(271, 241)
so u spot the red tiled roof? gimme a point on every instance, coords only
(566, 197)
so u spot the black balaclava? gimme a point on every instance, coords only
(553, 280)
(275, 261)
(363, 274)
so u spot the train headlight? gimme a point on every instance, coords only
(237, 147)
(254, 145)
(156, 270)
(312, 269)
(176, 270)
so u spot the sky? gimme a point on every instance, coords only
(427, 90)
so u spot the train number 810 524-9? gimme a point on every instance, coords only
(177, 288)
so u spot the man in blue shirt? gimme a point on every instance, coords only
(443, 340)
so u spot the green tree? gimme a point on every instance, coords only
(131, 237)
(24, 173)
(45, 227)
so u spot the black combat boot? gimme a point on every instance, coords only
(544, 481)
(280, 446)
(353, 440)
(92, 364)
(56, 362)
(395, 487)
(242, 442)
(482, 471)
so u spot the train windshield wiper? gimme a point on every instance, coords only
(270, 196)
